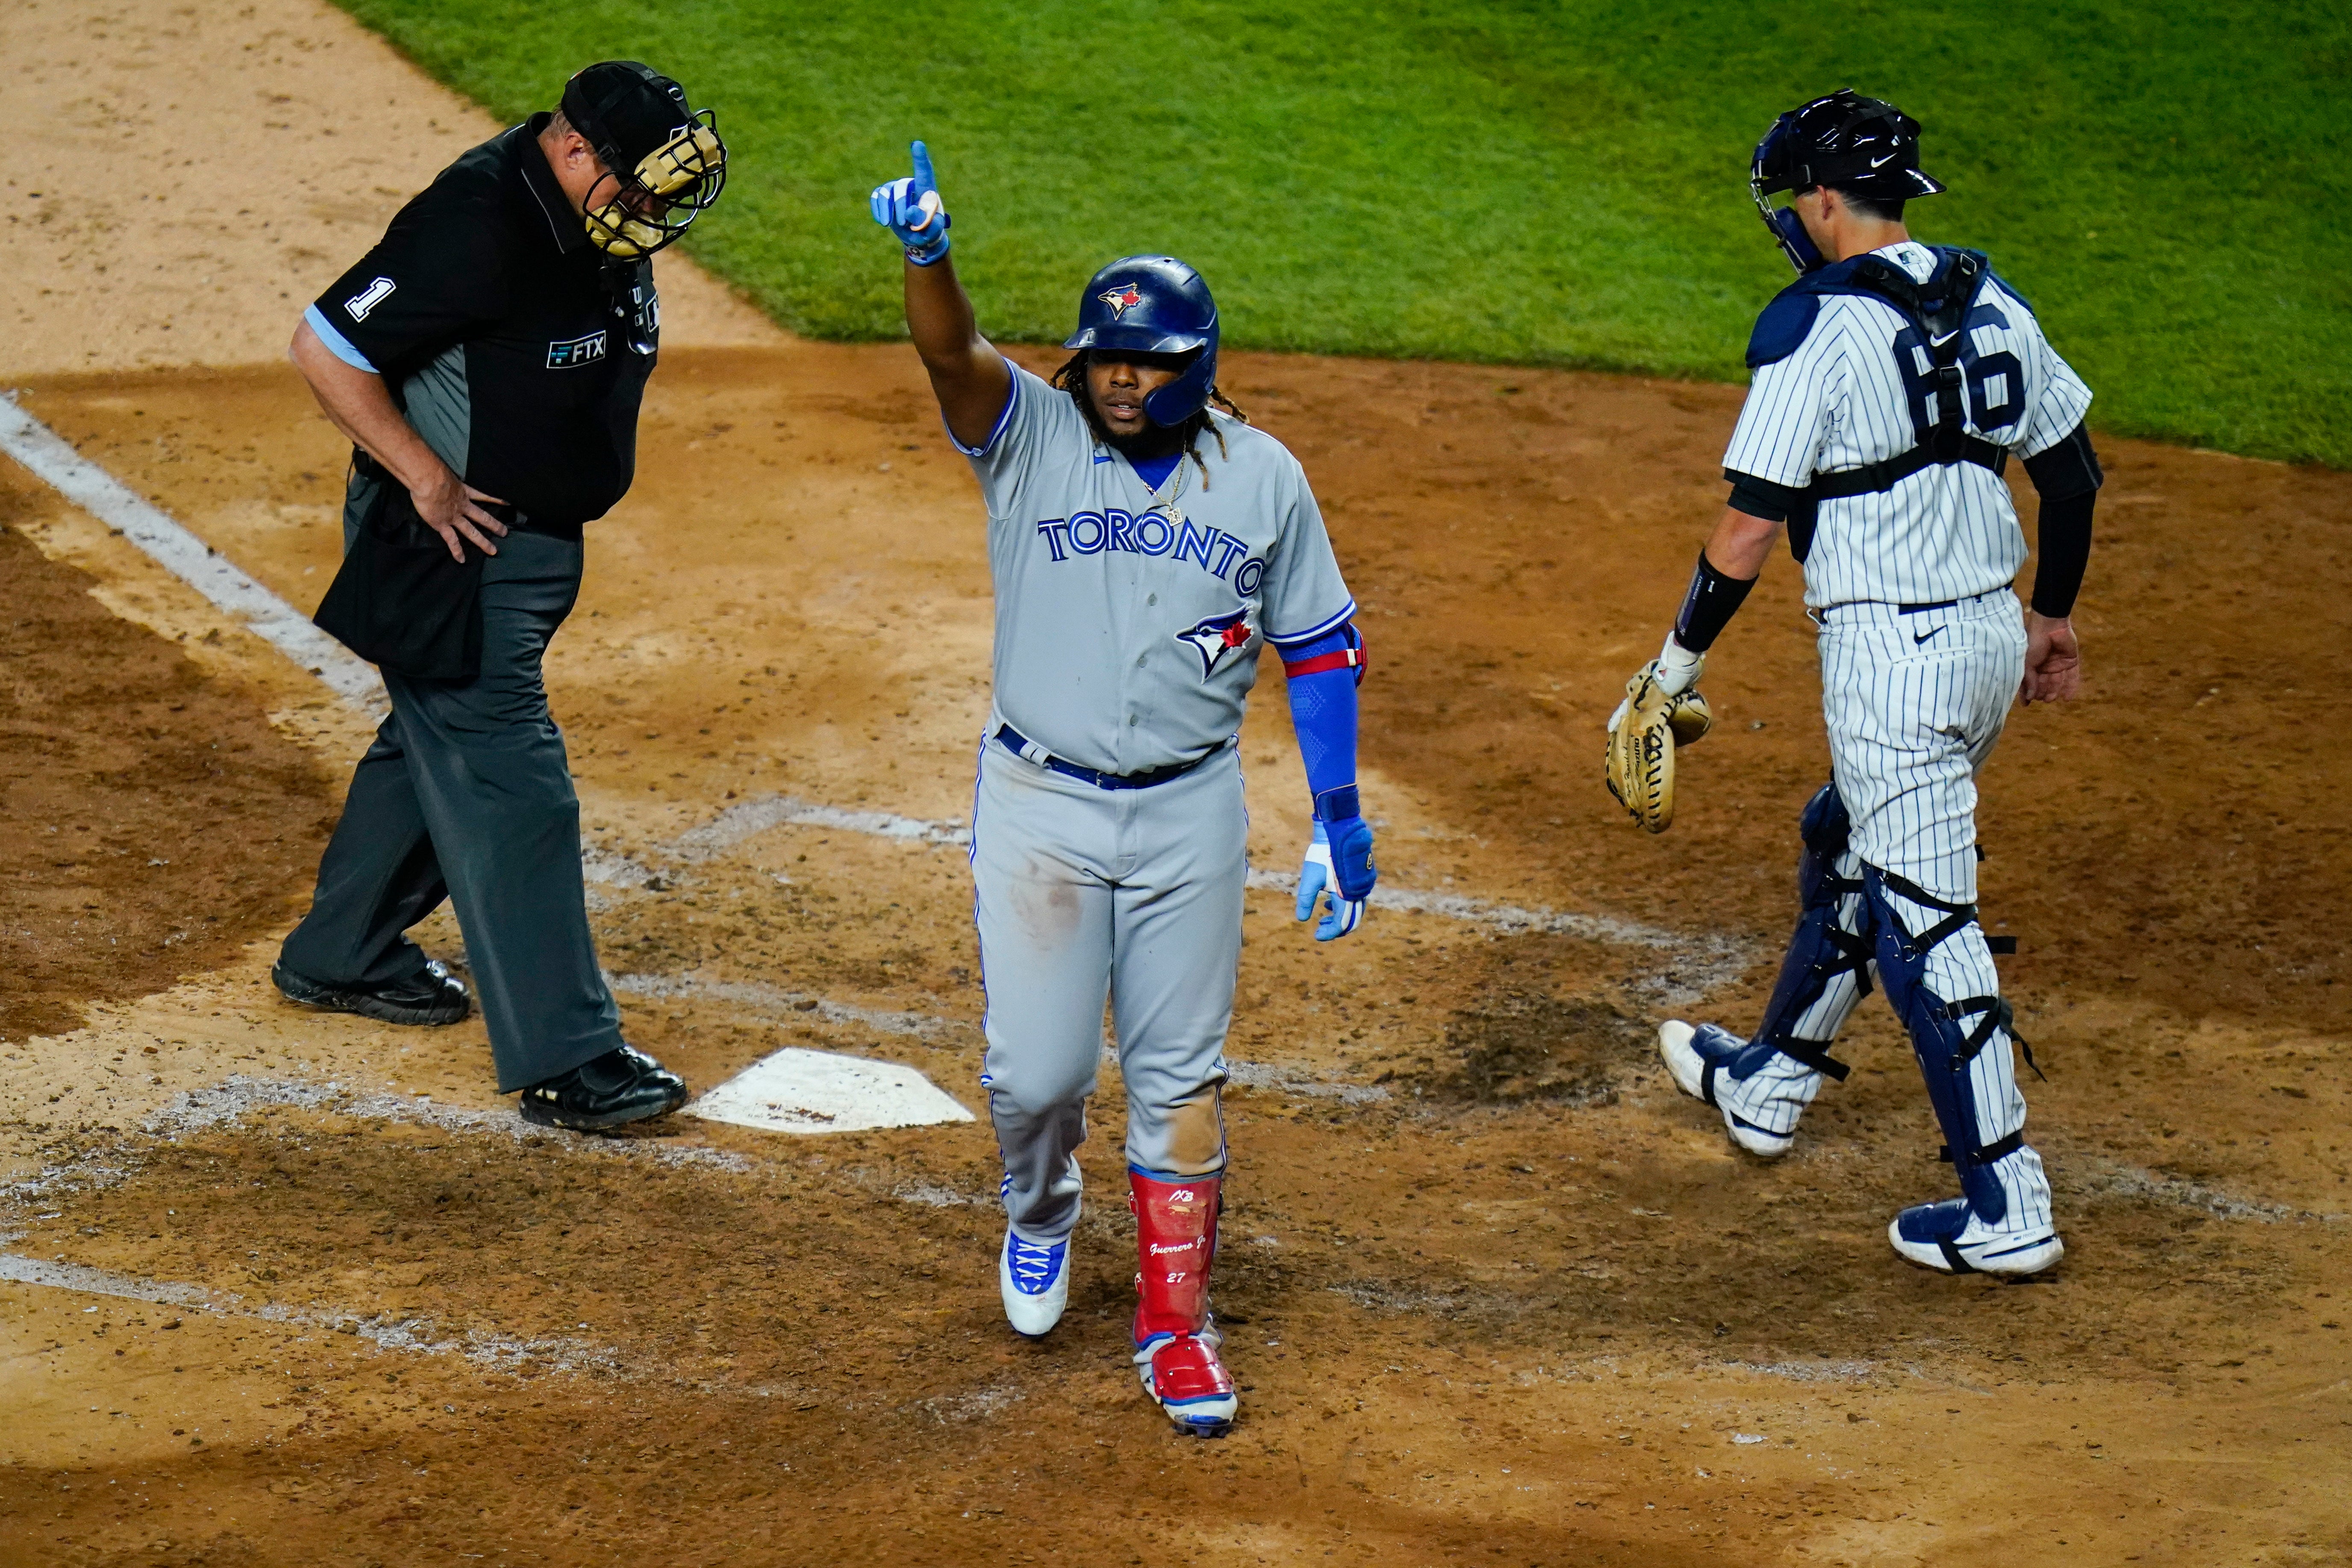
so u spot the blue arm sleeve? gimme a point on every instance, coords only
(1323, 710)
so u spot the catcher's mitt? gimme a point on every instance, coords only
(1639, 761)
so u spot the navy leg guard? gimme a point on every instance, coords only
(1834, 938)
(1947, 1052)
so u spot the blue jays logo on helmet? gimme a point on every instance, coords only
(1217, 636)
(1154, 305)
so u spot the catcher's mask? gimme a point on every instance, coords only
(664, 163)
(1864, 146)
(1154, 305)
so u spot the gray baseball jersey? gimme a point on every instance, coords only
(1128, 620)
(1843, 401)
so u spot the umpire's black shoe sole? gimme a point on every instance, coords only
(432, 997)
(622, 1086)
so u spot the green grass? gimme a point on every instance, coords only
(1559, 185)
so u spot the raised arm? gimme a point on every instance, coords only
(967, 375)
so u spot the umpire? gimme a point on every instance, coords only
(487, 359)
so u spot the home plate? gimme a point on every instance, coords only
(797, 1090)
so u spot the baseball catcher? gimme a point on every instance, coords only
(1892, 383)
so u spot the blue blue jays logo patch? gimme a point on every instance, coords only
(1122, 299)
(1218, 635)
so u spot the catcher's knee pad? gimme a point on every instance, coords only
(1831, 949)
(1825, 828)
(1948, 1035)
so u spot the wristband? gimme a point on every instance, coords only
(932, 249)
(1708, 606)
(1337, 805)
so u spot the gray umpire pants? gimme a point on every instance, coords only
(467, 795)
(1083, 893)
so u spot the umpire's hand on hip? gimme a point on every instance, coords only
(1336, 877)
(362, 409)
(453, 509)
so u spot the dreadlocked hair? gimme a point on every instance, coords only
(1072, 379)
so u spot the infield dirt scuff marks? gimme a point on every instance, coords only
(1529, 1195)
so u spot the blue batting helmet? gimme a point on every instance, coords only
(1154, 305)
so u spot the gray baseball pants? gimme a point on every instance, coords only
(1085, 893)
(467, 794)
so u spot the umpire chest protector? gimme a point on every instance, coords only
(1938, 317)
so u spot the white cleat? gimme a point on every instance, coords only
(1034, 1279)
(1948, 1238)
(1694, 1056)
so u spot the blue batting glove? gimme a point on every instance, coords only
(910, 208)
(1328, 870)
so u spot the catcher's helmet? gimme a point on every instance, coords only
(1864, 146)
(664, 162)
(1154, 305)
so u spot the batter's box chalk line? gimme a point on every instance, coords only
(487, 1348)
(1699, 963)
(52, 458)
(780, 1002)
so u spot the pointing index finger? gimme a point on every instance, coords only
(924, 180)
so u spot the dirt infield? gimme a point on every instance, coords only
(1497, 1292)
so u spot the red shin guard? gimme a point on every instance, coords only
(1175, 1243)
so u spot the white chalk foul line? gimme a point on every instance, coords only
(82, 482)
(53, 459)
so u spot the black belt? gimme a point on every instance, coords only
(1908, 609)
(1018, 744)
(514, 517)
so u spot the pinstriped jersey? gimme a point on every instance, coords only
(1130, 617)
(1846, 398)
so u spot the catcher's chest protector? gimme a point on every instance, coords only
(1943, 395)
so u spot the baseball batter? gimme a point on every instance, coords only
(1893, 383)
(1145, 544)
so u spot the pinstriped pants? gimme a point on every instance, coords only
(1914, 705)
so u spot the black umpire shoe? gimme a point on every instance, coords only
(623, 1085)
(430, 995)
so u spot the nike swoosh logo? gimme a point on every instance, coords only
(1877, 163)
(1921, 637)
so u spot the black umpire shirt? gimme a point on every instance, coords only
(516, 347)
